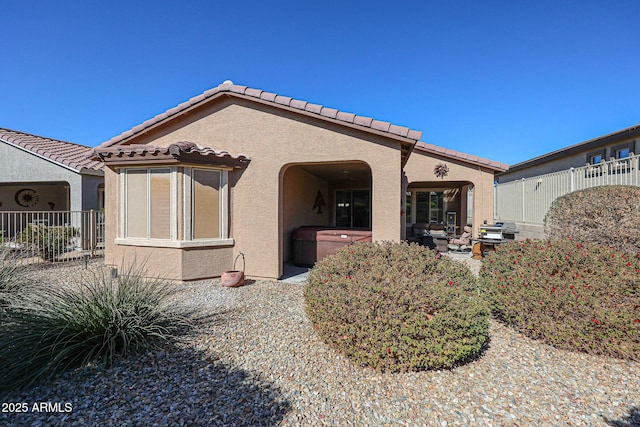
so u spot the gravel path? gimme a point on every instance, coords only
(255, 360)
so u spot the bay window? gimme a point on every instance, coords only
(151, 206)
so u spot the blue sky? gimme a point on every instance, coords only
(507, 80)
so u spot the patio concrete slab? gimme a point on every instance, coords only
(294, 274)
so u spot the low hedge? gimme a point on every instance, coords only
(397, 307)
(571, 295)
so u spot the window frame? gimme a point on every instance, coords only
(189, 209)
(352, 205)
(602, 153)
(124, 175)
(177, 185)
(617, 148)
(414, 205)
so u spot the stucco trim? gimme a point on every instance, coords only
(165, 243)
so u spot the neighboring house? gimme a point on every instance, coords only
(526, 190)
(44, 174)
(237, 169)
(616, 145)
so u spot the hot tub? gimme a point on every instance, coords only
(312, 243)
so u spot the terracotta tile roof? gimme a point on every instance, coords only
(271, 98)
(68, 154)
(183, 152)
(458, 155)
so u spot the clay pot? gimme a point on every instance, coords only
(232, 278)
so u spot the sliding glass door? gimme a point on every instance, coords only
(353, 208)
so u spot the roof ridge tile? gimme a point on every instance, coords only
(229, 87)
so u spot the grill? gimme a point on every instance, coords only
(498, 231)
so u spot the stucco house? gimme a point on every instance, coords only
(238, 169)
(526, 191)
(616, 145)
(45, 174)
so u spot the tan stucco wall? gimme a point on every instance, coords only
(299, 190)
(274, 138)
(419, 168)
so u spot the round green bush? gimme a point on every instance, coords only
(608, 215)
(570, 295)
(397, 307)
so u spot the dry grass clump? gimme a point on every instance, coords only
(53, 327)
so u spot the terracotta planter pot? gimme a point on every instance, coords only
(232, 278)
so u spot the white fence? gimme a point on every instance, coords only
(52, 236)
(528, 200)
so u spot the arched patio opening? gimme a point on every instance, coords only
(336, 194)
(445, 205)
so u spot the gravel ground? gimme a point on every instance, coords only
(255, 360)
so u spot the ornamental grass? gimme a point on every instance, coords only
(571, 295)
(13, 277)
(397, 307)
(91, 318)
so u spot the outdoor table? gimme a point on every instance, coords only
(482, 245)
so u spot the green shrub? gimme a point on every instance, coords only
(608, 215)
(396, 307)
(571, 295)
(92, 318)
(48, 242)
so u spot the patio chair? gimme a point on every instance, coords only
(462, 243)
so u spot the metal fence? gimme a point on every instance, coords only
(52, 236)
(528, 200)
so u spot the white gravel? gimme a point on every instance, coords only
(255, 360)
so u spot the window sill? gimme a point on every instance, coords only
(165, 243)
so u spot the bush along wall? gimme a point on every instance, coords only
(607, 215)
(397, 307)
(571, 295)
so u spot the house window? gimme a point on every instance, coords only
(205, 208)
(353, 208)
(622, 153)
(147, 203)
(430, 207)
(149, 215)
(596, 159)
(205, 204)
(408, 207)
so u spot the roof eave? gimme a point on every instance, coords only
(412, 135)
(458, 156)
(630, 132)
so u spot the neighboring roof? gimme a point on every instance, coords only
(66, 154)
(457, 155)
(594, 143)
(406, 135)
(183, 152)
